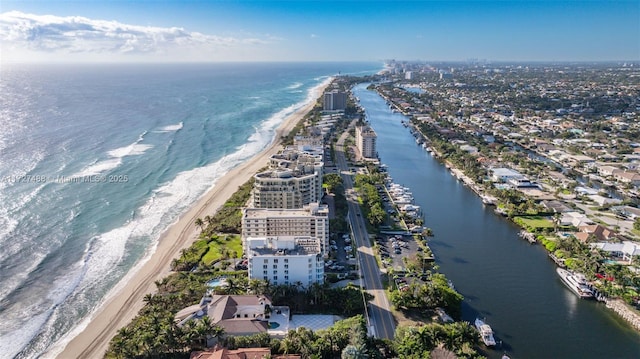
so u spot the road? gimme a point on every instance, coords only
(379, 309)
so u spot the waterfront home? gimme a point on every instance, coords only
(625, 251)
(595, 232)
(505, 174)
(238, 315)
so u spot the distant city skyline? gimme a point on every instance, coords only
(201, 31)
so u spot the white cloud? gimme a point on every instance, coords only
(75, 35)
(314, 36)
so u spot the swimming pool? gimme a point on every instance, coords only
(217, 282)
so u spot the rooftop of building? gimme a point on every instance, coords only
(283, 246)
(282, 212)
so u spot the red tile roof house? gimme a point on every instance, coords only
(594, 233)
(240, 353)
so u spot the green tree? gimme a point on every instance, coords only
(200, 223)
(332, 181)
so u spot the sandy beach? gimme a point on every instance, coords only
(125, 302)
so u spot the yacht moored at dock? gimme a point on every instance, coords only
(486, 333)
(576, 282)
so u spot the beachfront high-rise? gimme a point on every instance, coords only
(311, 221)
(285, 260)
(335, 101)
(293, 181)
(366, 141)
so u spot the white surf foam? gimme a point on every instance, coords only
(171, 128)
(103, 166)
(160, 211)
(163, 208)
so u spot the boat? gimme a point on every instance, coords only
(486, 333)
(576, 282)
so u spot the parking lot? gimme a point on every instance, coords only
(392, 248)
(341, 255)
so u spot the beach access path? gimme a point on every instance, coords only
(125, 300)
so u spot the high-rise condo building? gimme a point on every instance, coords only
(312, 221)
(366, 141)
(335, 101)
(285, 260)
(293, 181)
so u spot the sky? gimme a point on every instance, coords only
(261, 30)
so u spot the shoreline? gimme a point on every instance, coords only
(616, 305)
(123, 302)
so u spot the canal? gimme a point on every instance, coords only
(503, 278)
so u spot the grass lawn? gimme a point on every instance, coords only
(536, 222)
(218, 245)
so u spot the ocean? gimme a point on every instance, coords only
(97, 161)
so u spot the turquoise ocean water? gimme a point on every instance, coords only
(97, 161)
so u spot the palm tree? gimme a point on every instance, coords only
(255, 286)
(149, 299)
(354, 352)
(232, 287)
(199, 223)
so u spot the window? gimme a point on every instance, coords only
(265, 266)
(275, 261)
(275, 277)
(266, 261)
(286, 277)
(286, 266)
(275, 266)
(286, 260)
(264, 272)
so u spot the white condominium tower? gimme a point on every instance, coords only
(285, 260)
(293, 181)
(366, 141)
(311, 221)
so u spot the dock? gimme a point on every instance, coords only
(530, 237)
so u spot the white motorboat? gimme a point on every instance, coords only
(576, 282)
(486, 333)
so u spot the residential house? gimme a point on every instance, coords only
(575, 219)
(238, 315)
(603, 201)
(628, 177)
(240, 353)
(556, 206)
(626, 250)
(594, 233)
(505, 174)
(606, 171)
